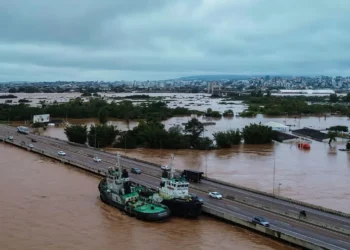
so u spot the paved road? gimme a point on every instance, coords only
(312, 233)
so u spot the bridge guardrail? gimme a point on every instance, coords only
(156, 174)
(275, 233)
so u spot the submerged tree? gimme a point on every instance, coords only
(257, 134)
(76, 133)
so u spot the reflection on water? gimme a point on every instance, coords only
(46, 205)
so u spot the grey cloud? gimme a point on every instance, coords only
(159, 39)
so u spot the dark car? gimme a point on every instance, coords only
(195, 197)
(136, 171)
(261, 221)
(33, 140)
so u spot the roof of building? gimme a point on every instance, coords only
(275, 125)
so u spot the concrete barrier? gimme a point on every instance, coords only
(305, 204)
(273, 233)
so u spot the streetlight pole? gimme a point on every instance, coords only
(279, 188)
(95, 137)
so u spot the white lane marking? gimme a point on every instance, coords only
(284, 223)
(303, 236)
(345, 242)
(236, 208)
(248, 198)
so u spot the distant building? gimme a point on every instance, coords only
(306, 91)
(277, 126)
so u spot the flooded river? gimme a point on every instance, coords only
(319, 176)
(47, 206)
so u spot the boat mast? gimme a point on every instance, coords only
(172, 169)
(118, 166)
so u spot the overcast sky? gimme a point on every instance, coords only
(160, 39)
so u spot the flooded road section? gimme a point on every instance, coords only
(47, 205)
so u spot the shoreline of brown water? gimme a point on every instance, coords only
(48, 205)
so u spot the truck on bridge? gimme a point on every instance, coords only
(192, 175)
(23, 130)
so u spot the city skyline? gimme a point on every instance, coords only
(160, 40)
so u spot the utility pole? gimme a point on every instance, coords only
(274, 173)
(95, 137)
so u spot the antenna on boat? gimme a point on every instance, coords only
(172, 169)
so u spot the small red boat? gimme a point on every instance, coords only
(304, 146)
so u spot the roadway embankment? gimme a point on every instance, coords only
(273, 232)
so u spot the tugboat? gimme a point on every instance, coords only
(116, 190)
(173, 193)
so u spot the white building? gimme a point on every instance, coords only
(277, 126)
(306, 91)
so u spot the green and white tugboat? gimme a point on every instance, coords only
(116, 190)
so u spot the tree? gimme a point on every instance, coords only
(228, 113)
(103, 115)
(333, 98)
(257, 134)
(102, 135)
(332, 137)
(194, 129)
(76, 133)
(228, 138)
(348, 145)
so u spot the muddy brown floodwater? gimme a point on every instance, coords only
(319, 176)
(47, 205)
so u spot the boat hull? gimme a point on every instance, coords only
(184, 208)
(145, 216)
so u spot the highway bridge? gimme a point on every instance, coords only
(322, 229)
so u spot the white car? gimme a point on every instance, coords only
(215, 195)
(165, 167)
(10, 137)
(61, 153)
(30, 146)
(97, 159)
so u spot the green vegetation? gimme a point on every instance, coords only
(211, 113)
(78, 109)
(348, 146)
(228, 113)
(332, 137)
(278, 106)
(7, 96)
(152, 134)
(76, 133)
(257, 134)
(228, 138)
(339, 128)
(101, 136)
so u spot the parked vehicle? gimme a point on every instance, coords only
(261, 221)
(215, 195)
(34, 140)
(10, 137)
(61, 153)
(30, 146)
(136, 170)
(97, 159)
(192, 175)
